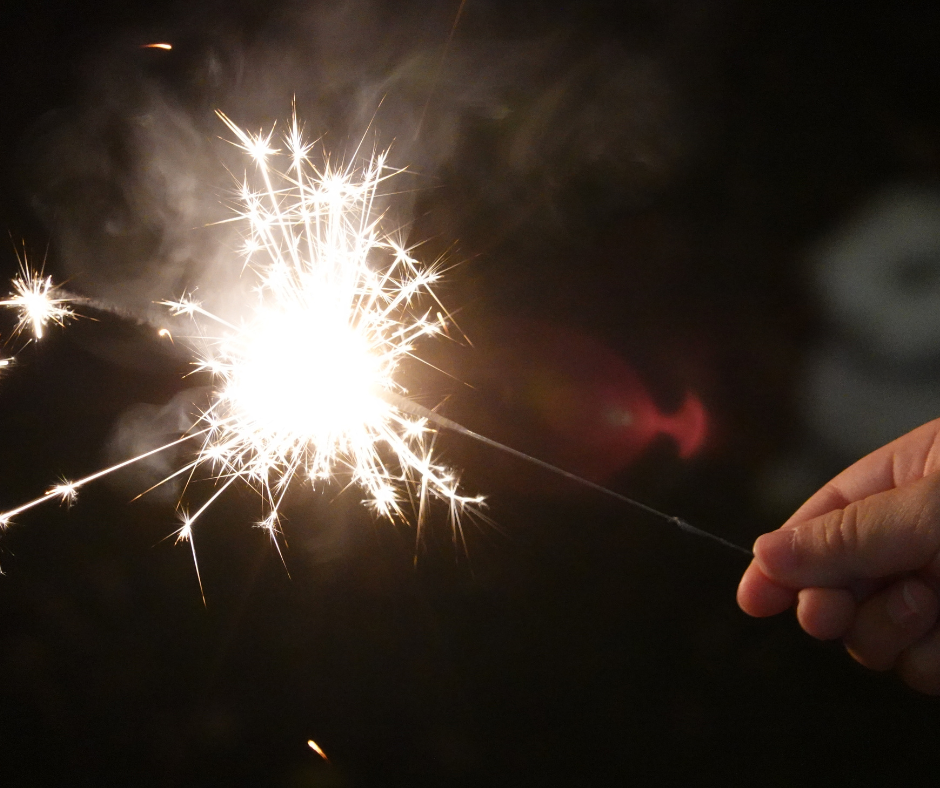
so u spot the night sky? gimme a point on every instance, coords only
(630, 190)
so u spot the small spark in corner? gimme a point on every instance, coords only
(316, 748)
(167, 47)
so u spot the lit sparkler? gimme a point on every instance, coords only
(305, 380)
(305, 384)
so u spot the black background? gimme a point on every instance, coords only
(579, 642)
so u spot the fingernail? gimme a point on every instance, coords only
(775, 553)
(904, 606)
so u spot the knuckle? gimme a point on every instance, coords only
(840, 530)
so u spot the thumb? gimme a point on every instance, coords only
(890, 533)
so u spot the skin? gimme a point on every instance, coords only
(860, 561)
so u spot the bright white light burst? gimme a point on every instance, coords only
(305, 381)
(37, 301)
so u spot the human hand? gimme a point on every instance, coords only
(861, 561)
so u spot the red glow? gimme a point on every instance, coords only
(583, 404)
(688, 426)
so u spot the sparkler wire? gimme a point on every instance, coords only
(442, 421)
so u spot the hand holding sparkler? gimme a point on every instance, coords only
(860, 560)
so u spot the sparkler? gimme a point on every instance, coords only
(305, 380)
(305, 383)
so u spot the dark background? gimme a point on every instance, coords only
(576, 641)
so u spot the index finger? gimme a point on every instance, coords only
(881, 536)
(905, 460)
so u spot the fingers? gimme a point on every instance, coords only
(891, 533)
(919, 666)
(905, 460)
(891, 621)
(759, 596)
(826, 613)
(896, 627)
(861, 561)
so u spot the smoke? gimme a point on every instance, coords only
(123, 187)
(133, 180)
(143, 428)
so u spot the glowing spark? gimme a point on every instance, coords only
(165, 333)
(167, 47)
(317, 749)
(66, 491)
(302, 382)
(305, 382)
(37, 301)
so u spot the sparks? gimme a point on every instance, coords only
(300, 379)
(306, 376)
(305, 383)
(66, 492)
(317, 749)
(37, 302)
